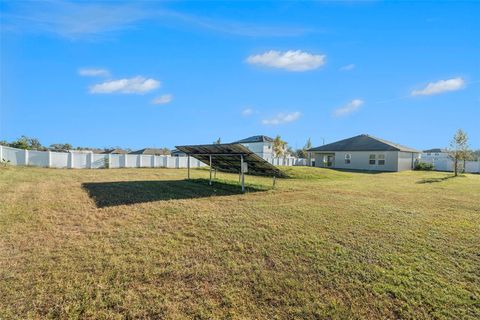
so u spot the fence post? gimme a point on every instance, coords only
(91, 161)
(125, 160)
(49, 159)
(26, 157)
(153, 161)
(109, 161)
(70, 155)
(1, 153)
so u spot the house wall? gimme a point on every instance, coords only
(263, 149)
(406, 160)
(360, 160)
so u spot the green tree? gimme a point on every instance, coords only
(458, 149)
(218, 141)
(302, 153)
(61, 147)
(27, 143)
(278, 146)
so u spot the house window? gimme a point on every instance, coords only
(381, 159)
(348, 157)
(372, 159)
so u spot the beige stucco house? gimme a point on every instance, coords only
(364, 152)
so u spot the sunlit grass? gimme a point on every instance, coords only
(146, 243)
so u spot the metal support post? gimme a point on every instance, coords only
(210, 183)
(242, 174)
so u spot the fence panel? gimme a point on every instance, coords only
(82, 160)
(99, 161)
(115, 161)
(59, 159)
(38, 158)
(145, 161)
(182, 162)
(447, 165)
(79, 160)
(472, 166)
(131, 160)
(15, 156)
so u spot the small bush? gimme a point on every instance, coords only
(106, 163)
(424, 166)
(4, 163)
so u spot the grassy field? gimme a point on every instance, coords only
(144, 243)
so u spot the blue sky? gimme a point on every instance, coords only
(146, 74)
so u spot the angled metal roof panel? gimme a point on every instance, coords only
(226, 158)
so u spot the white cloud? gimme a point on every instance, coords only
(348, 67)
(93, 72)
(288, 60)
(350, 107)
(440, 86)
(163, 99)
(247, 112)
(133, 85)
(282, 118)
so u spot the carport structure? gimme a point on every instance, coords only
(233, 158)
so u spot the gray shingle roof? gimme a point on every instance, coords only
(151, 151)
(435, 150)
(255, 139)
(363, 142)
(115, 151)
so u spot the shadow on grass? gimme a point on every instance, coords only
(107, 194)
(435, 180)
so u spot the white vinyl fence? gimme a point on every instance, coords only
(447, 165)
(87, 160)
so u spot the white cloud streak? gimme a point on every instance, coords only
(93, 72)
(247, 112)
(349, 108)
(72, 20)
(78, 20)
(440, 86)
(282, 118)
(348, 67)
(290, 60)
(136, 85)
(163, 99)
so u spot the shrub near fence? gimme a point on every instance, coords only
(86, 160)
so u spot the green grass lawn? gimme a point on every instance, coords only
(144, 243)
